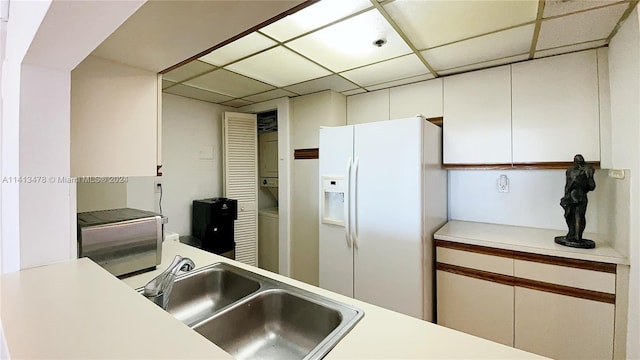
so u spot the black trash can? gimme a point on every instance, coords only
(212, 224)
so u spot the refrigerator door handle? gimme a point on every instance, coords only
(354, 226)
(347, 208)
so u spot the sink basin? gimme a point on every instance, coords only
(255, 317)
(199, 294)
(274, 324)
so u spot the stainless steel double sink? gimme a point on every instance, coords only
(254, 317)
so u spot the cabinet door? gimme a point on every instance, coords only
(555, 109)
(477, 307)
(477, 113)
(561, 326)
(115, 118)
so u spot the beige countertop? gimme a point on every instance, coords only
(78, 310)
(526, 239)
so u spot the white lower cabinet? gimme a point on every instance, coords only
(555, 307)
(479, 307)
(561, 326)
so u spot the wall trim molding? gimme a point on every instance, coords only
(306, 154)
(520, 255)
(551, 165)
(528, 283)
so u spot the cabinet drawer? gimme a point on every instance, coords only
(473, 260)
(567, 276)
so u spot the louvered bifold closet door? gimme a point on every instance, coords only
(240, 144)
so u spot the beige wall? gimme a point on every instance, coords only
(325, 108)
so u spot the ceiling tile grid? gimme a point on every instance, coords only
(288, 69)
(238, 49)
(480, 49)
(580, 27)
(389, 70)
(330, 45)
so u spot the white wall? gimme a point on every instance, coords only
(44, 153)
(26, 19)
(188, 127)
(533, 199)
(43, 45)
(624, 74)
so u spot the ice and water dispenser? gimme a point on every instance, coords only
(333, 200)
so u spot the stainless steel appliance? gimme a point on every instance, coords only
(121, 240)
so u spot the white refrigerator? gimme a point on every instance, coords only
(383, 193)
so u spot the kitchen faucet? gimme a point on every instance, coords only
(159, 289)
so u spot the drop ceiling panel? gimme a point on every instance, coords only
(486, 64)
(400, 82)
(485, 48)
(279, 66)
(331, 82)
(398, 68)
(237, 103)
(570, 48)
(560, 7)
(349, 44)
(195, 93)
(172, 31)
(187, 70)
(437, 22)
(238, 49)
(313, 17)
(269, 95)
(229, 83)
(585, 26)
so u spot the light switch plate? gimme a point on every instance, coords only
(205, 153)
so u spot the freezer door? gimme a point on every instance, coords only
(335, 248)
(388, 220)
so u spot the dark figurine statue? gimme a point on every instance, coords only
(574, 202)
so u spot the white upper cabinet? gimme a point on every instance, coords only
(477, 117)
(115, 119)
(423, 98)
(556, 109)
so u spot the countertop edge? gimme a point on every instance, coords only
(459, 231)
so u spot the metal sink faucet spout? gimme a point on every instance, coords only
(159, 289)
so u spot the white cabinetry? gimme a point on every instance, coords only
(563, 327)
(555, 108)
(115, 119)
(557, 307)
(534, 112)
(477, 117)
(471, 304)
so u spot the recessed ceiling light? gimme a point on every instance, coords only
(379, 42)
